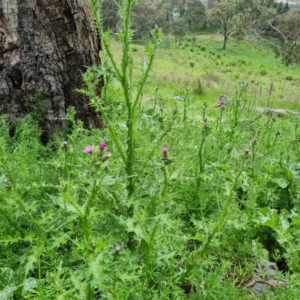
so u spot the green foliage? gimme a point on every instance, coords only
(272, 22)
(173, 199)
(62, 224)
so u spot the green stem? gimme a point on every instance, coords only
(143, 80)
(40, 283)
(110, 127)
(130, 108)
(150, 154)
(201, 165)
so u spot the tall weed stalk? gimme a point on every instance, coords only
(132, 95)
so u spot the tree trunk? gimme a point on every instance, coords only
(225, 40)
(45, 47)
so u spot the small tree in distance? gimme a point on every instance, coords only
(221, 14)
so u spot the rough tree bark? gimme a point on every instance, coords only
(45, 46)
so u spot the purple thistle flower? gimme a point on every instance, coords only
(88, 149)
(118, 248)
(247, 151)
(103, 145)
(165, 153)
(65, 143)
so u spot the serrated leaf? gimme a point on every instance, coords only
(2, 177)
(7, 293)
(175, 174)
(59, 240)
(7, 284)
(268, 217)
(167, 256)
(6, 277)
(29, 285)
(30, 264)
(282, 183)
(108, 180)
(235, 153)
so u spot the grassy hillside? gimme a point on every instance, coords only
(199, 65)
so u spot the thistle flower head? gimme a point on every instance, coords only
(247, 151)
(165, 150)
(103, 145)
(88, 149)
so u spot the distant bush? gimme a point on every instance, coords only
(289, 78)
(198, 88)
(242, 62)
(134, 48)
(192, 64)
(263, 72)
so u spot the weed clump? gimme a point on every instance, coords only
(263, 72)
(198, 88)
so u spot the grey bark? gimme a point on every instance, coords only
(45, 47)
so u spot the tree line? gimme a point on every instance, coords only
(268, 20)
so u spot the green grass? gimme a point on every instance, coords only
(220, 72)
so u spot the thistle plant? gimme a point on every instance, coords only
(123, 74)
(155, 205)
